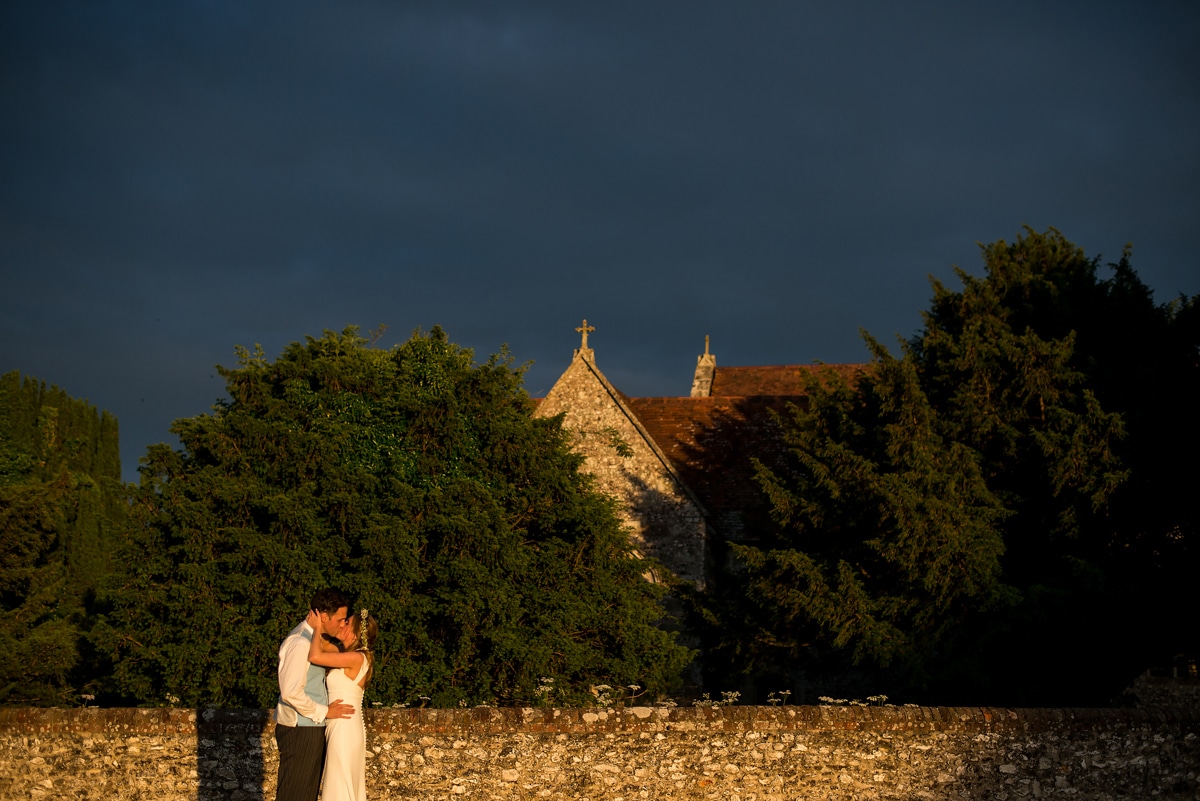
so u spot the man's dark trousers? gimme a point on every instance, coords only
(301, 761)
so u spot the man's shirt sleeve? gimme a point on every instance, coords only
(293, 673)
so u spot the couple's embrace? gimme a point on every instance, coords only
(323, 743)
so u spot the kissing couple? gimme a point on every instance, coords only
(323, 743)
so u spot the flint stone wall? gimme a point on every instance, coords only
(664, 520)
(739, 753)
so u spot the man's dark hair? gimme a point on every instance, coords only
(329, 600)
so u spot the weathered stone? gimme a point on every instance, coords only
(884, 754)
(664, 517)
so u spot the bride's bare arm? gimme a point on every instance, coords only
(334, 658)
(326, 654)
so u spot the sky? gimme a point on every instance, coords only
(177, 179)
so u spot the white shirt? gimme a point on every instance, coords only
(293, 673)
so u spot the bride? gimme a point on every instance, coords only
(346, 738)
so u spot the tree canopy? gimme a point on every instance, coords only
(999, 512)
(960, 522)
(417, 480)
(60, 508)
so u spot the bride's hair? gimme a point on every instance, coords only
(366, 630)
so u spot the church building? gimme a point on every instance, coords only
(681, 467)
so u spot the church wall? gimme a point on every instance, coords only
(666, 522)
(743, 753)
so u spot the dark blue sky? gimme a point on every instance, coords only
(180, 178)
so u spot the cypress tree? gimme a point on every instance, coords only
(58, 516)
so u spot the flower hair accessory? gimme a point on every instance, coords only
(362, 627)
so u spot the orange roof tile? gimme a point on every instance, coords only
(711, 442)
(780, 380)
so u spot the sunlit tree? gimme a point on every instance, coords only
(416, 479)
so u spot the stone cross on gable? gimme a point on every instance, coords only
(584, 329)
(583, 351)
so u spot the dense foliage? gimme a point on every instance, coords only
(999, 513)
(417, 480)
(60, 507)
(995, 515)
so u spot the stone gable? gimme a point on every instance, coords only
(665, 519)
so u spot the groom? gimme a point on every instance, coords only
(304, 703)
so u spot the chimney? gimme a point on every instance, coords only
(706, 367)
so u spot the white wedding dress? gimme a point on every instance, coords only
(346, 741)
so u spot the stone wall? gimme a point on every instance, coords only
(740, 753)
(664, 520)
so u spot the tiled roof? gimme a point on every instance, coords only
(712, 440)
(780, 380)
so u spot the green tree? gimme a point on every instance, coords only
(416, 479)
(959, 523)
(1078, 391)
(889, 540)
(60, 503)
(1002, 365)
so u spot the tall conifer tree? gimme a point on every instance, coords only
(60, 505)
(964, 522)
